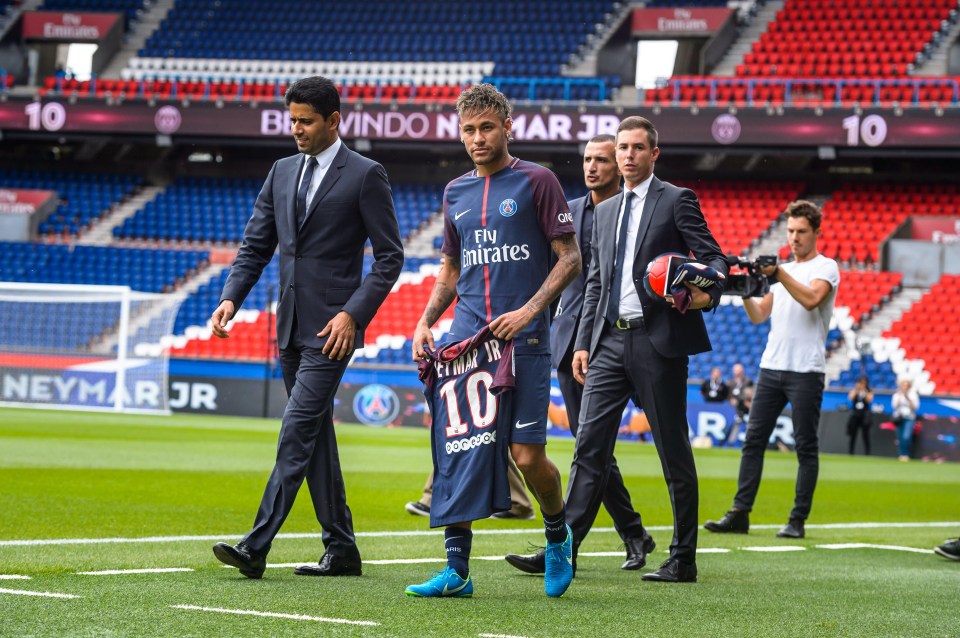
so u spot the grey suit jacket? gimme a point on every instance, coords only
(321, 263)
(671, 222)
(564, 328)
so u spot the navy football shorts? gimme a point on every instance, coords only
(531, 398)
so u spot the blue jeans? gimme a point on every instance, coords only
(774, 389)
(905, 436)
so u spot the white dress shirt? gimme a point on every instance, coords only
(630, 307)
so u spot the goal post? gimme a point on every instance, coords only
(79, 347)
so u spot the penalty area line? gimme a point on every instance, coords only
(13, 577)
(895, 548)
(154, 570)
(41, 594)
(270, 614)
(409, 533)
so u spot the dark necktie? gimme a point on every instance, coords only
(304, 188)
(613, 303)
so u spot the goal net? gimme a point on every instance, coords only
(79, 347)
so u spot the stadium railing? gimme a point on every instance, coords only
(718, 88)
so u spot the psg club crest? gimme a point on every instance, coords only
(376, 404)
(508, 208)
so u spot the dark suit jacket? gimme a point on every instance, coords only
(321, 265)
(563, 332)
(671, 222)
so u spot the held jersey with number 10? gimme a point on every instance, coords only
(500, 227)
(468, 389)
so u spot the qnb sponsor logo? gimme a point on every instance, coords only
(462, 445)
(564, 218)
(494, 255)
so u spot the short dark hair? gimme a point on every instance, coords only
(806, 209)
(634, 122)
(602, 139)
(484, 97)
(317, 91)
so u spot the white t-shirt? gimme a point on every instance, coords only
(797, 341)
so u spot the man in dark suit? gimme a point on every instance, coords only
(320, 207)
(602, 178)
(637, 345)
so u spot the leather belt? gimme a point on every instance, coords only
(629, 324)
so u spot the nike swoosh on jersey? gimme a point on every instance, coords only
(520, 426)
(446, 590)
(457, 216)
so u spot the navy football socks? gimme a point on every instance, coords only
(556, 526)
(458, 542)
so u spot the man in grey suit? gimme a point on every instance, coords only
(637, 345)
(602, 178)
(319, 206)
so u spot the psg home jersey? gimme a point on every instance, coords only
(468, 386)
(500, 227)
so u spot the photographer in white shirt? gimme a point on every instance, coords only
(799, 306)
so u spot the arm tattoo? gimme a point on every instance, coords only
(568, 266)
(444, 289)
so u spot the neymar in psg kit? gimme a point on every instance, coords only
(503, 223)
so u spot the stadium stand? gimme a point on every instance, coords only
(862, 216)
(746, 348)
(244, 49)
(739, 212)
(933, 341)
(129, 8)
(141, 269)
(863, 292)
(204, 209)
(820, 52)
(84, 197)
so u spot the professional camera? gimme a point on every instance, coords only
(751, 282)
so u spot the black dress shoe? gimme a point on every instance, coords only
(673, 571)
(637, 550)
(535, 563)
(733, 522)
(250, 563)
(332, 565)
(793, 529)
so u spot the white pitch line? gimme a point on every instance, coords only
(13, 577)
(774, 548)
(118, 572)
(896, 548)
(409, 533)
(499, 636)
(270, 614)
(42, 594)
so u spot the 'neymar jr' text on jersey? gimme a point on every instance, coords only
(500, 228)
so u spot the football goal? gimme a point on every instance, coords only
(81, 347)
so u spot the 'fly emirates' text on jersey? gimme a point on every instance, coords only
(468, 386)
(500, 228)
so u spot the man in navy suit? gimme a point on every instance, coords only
(630, 344)
(602, 178)
(319, 207)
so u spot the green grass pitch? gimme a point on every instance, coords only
(149, 480)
